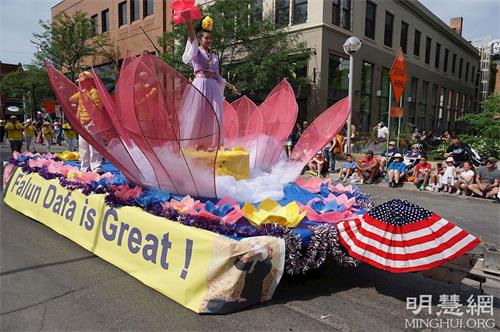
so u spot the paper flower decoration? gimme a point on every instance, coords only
(207, 23)
(186, 205)
(270, 211)
(149, 197)
(125, 193)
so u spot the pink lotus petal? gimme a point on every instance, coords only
(311, 184)
(125, 193)
(187, 205)
(332, 217)
(226, 200)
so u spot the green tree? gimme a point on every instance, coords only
(253, 54)
(68, 41)
(32, 82)
(486, 124)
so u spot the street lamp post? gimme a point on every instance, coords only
(351, 46)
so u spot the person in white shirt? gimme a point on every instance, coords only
(382, 131)
(465, 178)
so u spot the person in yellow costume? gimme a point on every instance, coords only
(70, 136)
(47, 134)
(29, 135)
(14, 131)
(90, 158)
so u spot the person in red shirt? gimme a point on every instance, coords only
(368, 167)
(422, 173)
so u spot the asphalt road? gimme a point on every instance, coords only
(49, 283)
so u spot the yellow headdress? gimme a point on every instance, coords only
(207, 23)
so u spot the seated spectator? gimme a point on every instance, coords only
(317, 164)
(422, 173)
(411, 158)
(465, 178)
(388, 154)
(487, 179)
(396, 170)
(436, 177)
(448, 175)
(348, 168)
(368, 168)
(457, 150)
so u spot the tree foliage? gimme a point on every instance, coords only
(253, 54)
(486, 124)
(31, 82)
(68, 40)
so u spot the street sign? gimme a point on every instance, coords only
(398, 76)
(397, 112)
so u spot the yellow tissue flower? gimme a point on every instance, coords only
(207, 23)
(271, 212)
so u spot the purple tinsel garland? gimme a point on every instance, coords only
(298, 259)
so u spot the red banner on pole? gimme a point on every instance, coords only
(397, 112)
(50, 106)
(398, 75)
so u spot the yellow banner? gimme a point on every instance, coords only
(204, 271)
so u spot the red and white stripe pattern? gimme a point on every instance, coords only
(407, 247)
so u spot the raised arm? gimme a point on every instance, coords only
(189, 25)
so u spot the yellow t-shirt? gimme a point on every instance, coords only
(29, 130)
(48, 133)
(14, 131)
(82, 113)
(69, 132)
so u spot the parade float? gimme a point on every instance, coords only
(211, 226)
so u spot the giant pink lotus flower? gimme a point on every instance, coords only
(140, 131)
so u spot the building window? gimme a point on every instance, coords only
(438, 55)
(338, 80)
(299, 11)
(105, 20)
(442, 97)
(403, 42)
(346, 14)
(384, 94)
(422, 106)
(460, 65)
(466, 72)
(94, 24)
(453, 62)
(122, 13)
(389, 25)
(472, 74)
(134, 10)
(433, 119)
(412, 100)
(147, 8)
(336, 12)
(445, 64)
(366, 96)
(449, 106)
(416, 43)
(371, 9)
(257, 10)
(282, 13)
(428, 42)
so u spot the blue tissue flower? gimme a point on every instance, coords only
(149, 197)
(220, 211)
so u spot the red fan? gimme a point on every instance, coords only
(399, 236)
(180, 6)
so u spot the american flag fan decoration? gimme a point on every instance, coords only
(399, 236)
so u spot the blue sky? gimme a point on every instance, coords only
(19, 19)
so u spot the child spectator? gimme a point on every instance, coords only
(368, 168)
(448, 175)
(422, 173)
(396, 170)
(436, 177)
(317, 164)
(465, 178)
(348, 168)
